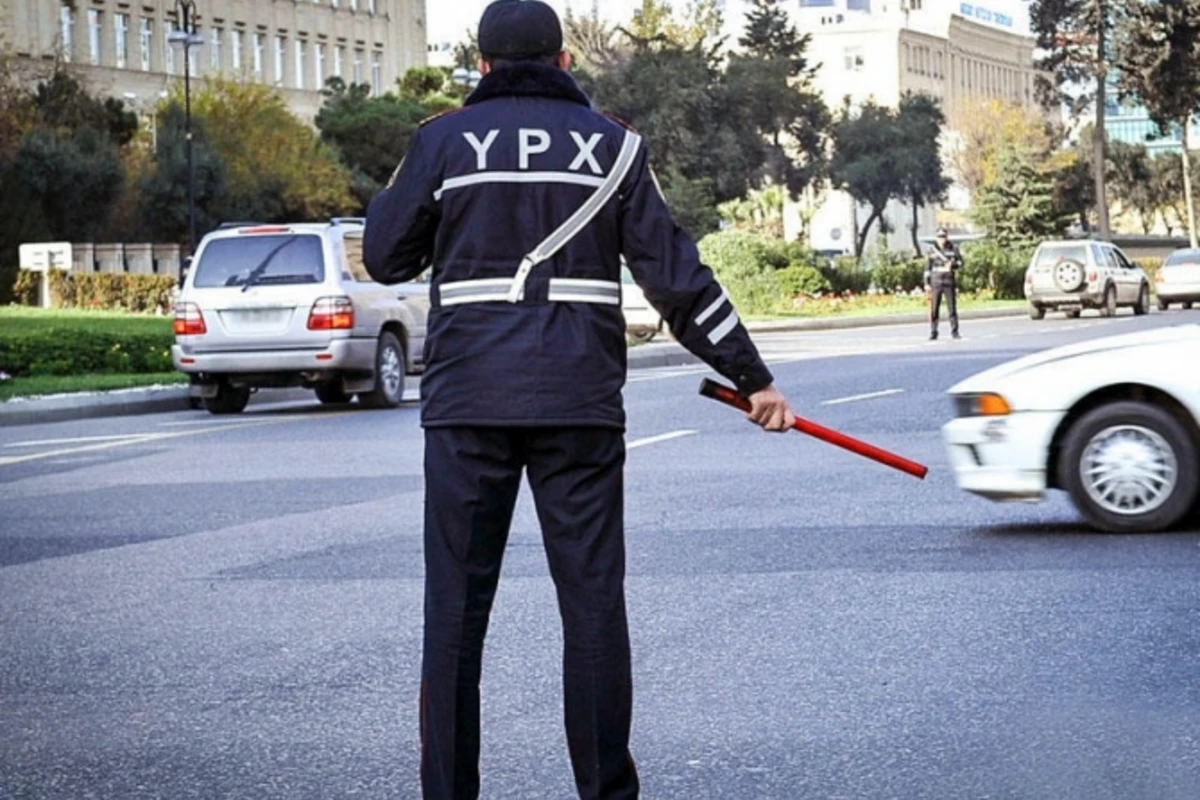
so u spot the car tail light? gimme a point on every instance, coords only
(331, 314)
(265, 229)
(1029, 278)
(1158, 277)
(189, 321)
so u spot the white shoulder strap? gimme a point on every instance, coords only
(579, 220)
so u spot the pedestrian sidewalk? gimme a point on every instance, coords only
(164, 399)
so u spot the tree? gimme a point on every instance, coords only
(920, 121)
(770, 35)
(1159, 63)
(1168, 177)
(276, 167)
(655, 23)
(1018, 207)
(370, 134)
(865, 162)
(1132, 179)
(1074, 36)
(162, 190)
(982, 128)
(593, 42)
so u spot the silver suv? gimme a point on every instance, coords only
(272, 306)
(1074, 275)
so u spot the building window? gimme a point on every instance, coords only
(214, 48)
(358, 66)
(333, 3)
(301, 46)
(235, 50)
(852, 58)
(339, 59)
(257, 58)
(377, 73)
(67, 19)
(121, 39)
(319, 66)
(280, 53)
(93, 36)
(371, 7)
(145, 41)
(168, 50)
(191, 56)
(354, 5)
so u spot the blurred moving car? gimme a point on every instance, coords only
(267, 306)
(1115, 422)
(642, 321)
(1178, 280)
(1073, 275)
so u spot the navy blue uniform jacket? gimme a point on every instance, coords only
(480, 188)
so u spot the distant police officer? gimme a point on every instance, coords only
(523, 203)
(941, 280)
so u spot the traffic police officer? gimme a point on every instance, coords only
(525, 366)
(940, 279)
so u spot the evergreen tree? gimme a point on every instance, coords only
(920, 121)
(1018, 207)
(771, 36)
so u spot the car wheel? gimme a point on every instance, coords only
(1036, 312)
(1069, 275)
(1143, 302)
(1130, 467)
(390, 369)
(1188, 305)
(1073, 313)
(1109, 308)
(332, 393)
(228, 399)
(640, 335)
(1163, 305)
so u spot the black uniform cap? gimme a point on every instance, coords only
(516, 29)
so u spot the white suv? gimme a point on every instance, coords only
(271, 306)
(1074, 275)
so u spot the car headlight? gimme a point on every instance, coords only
(981, 405)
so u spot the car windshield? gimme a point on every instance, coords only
(1051, 254)
(1183, 257)
(261, 261)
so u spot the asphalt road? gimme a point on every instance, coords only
(204, 607)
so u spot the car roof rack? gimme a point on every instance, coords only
(224, 226)
(350, 220)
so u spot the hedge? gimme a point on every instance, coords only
(75, 350)
(112, 291)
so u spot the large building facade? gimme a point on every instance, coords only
(122, 47)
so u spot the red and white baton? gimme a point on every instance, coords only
(730, 397)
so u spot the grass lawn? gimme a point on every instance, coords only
(879, 305)
(26, 319)
(62, 384)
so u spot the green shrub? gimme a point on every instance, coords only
(27, 288)
(988, 267)
(1151, 266)
(802, 280)
(897, 278)
(743, 263)
(76, 350)
(845, 276)
(111, 291)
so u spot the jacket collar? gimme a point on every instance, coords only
(528, 80)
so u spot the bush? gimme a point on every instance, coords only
(903, 277)
(112, 291)
(989, 267)
(802, 280)
(27, 288)
(1151, 266)
(845, 276)
(76, 350)
(743, 263)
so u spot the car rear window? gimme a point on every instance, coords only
(273, 260)
(1049, 255)
(1183, 257)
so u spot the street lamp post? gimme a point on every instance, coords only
(185, 37)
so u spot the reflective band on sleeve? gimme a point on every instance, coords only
(724, 329)
(714, 308)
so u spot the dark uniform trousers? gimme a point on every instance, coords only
(472, 477)
(942, 284)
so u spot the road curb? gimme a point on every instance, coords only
(159, 400)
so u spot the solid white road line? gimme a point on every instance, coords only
(663, 437)
(78, 440)
(869, 396)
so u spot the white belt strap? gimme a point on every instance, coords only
(579, 220)
(560, 290)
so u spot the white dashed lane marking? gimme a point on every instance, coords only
(860, 397)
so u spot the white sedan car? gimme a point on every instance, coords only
(1115, 422)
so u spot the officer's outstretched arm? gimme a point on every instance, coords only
(402, 220)
(666, 265)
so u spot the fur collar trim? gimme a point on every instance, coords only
(528, 80)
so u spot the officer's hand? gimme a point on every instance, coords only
(770, 409)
